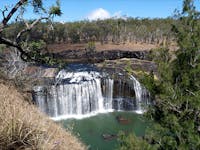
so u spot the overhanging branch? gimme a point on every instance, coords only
(29, 27)
(24, 54)
(11, 13)
(13, 44)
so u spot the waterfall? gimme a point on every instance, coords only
(107, 90)
(40, 97)
(85, 93)
(141, 94)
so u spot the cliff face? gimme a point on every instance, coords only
(22, 126)
(81, 56)
(82, 53)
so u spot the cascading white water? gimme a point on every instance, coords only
(107, 88)
(40, 97)
(141, 95)
(75, 94)
(84, 93)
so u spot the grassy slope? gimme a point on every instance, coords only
(22, 126)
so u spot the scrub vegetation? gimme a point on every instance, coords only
(176, 109)
(23, 126)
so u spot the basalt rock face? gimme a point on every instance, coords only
(117, 54)
(99, 56)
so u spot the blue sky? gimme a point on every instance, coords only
(74, 10)
(80, 9)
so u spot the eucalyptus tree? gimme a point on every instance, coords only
(16, 13)
(60, 32)
(90, 31)
(74, 32)
(105, 28)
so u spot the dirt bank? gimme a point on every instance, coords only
(99, 47)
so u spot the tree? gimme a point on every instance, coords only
(18, 40)
(74, 32)
(176, 109)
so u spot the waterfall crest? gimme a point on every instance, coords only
(81, 94)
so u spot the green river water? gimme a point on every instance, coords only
(90, 130)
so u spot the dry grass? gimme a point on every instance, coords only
(99, 47)
(22, 126)
(127, 46)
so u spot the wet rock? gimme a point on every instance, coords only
(122, 120)
(109, 137)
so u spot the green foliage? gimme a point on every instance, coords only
(162, 57)
(176, 109)
(91, 47)
(128, 68)
(131, 142)
(37, 50)
(55, 9)
(2, 47)
(150, 83)
(37, 5)
(73, 31)
(187, 72)
(37, 45)
(90, 51)
(134, 30)
(90, 30)
(18, 35)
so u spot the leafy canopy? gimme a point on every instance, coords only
(176, 109)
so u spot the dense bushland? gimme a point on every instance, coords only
(135, 30)
(176, 109)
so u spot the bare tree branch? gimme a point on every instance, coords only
(3, 11)
(171, 107)
(24, 53)
(10, 14)
(29, 27)
(13, 44)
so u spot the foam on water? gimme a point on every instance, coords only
(63, 117)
